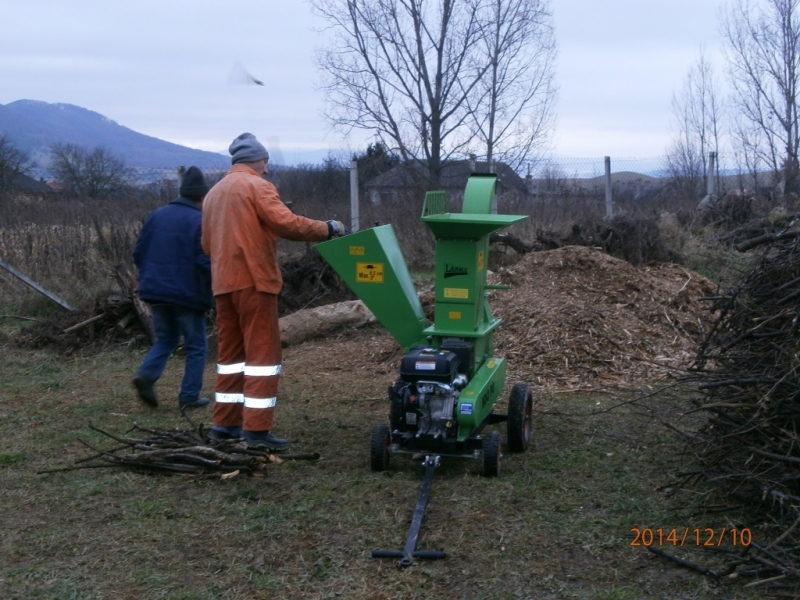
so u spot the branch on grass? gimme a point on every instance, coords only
(766, 239)
(181, 452)
(691, 565)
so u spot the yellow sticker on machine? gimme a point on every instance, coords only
(369, 272)
(459, 293)
(356, 250)
(455, 315)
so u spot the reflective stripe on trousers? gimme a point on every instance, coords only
(228, 398)
(259, 402)
(249, 362)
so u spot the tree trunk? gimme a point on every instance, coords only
(310, 323)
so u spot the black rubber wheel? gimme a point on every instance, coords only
(379, 448)
(520, 412)
(492, 454)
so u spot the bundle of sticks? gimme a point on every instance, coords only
(188, 452)
(748, 445)
(747, 373)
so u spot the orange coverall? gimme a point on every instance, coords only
(243, 218)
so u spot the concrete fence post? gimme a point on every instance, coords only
(711, 178)
(354, 196)
(609, 198)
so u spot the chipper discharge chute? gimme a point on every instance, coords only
(449, 379)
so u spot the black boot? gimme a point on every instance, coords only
(145, 390)
(255, 439)
(221, 433)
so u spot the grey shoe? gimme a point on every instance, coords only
(256, 439)
(145, 391)
(199, 403)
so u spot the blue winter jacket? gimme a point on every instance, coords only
(173, 269)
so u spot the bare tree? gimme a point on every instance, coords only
(417, 71)
(88, 173)
(512, 113)
(697, 113)
(763, 42)
(13, 163)
(747, 155)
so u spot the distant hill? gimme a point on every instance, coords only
(33, 126)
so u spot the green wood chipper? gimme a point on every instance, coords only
(449, 378)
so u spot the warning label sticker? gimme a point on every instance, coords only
(460, 293)
(369, 272)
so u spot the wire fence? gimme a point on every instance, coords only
(571, 168)
(608, 184)
(565, 168)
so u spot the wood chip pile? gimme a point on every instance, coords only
(576, 318)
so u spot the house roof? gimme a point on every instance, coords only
(454, 175)
(23, 183)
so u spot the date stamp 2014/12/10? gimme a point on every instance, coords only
(696, 536)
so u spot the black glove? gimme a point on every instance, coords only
(336, 229)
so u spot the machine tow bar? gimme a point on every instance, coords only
(409, 552)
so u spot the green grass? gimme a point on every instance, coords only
(556, 523)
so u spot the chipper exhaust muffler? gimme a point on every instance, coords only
(449, 378)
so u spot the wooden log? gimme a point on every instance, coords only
(307, 324)
(766, 239)
(126, 320)
(88, 321)
(127, 282)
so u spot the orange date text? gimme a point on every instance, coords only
(691, 536)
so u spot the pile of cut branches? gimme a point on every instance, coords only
(747, 375)
(187, 452)
(115, 317)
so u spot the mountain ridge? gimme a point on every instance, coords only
(34, 126)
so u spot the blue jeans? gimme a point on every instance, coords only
(170, 323)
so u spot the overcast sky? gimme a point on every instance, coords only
(163, 68)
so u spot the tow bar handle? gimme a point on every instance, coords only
(409, 552)
(423, 554)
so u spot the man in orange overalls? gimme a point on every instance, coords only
(243, 218)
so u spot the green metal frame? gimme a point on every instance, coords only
(371, 263)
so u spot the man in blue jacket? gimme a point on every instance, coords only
(175, 279)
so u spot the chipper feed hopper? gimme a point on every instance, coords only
(449, 378)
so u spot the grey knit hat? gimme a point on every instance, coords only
(246, 148)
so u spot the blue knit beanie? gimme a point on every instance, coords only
(246, 148)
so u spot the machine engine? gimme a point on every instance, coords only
(424, 399)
